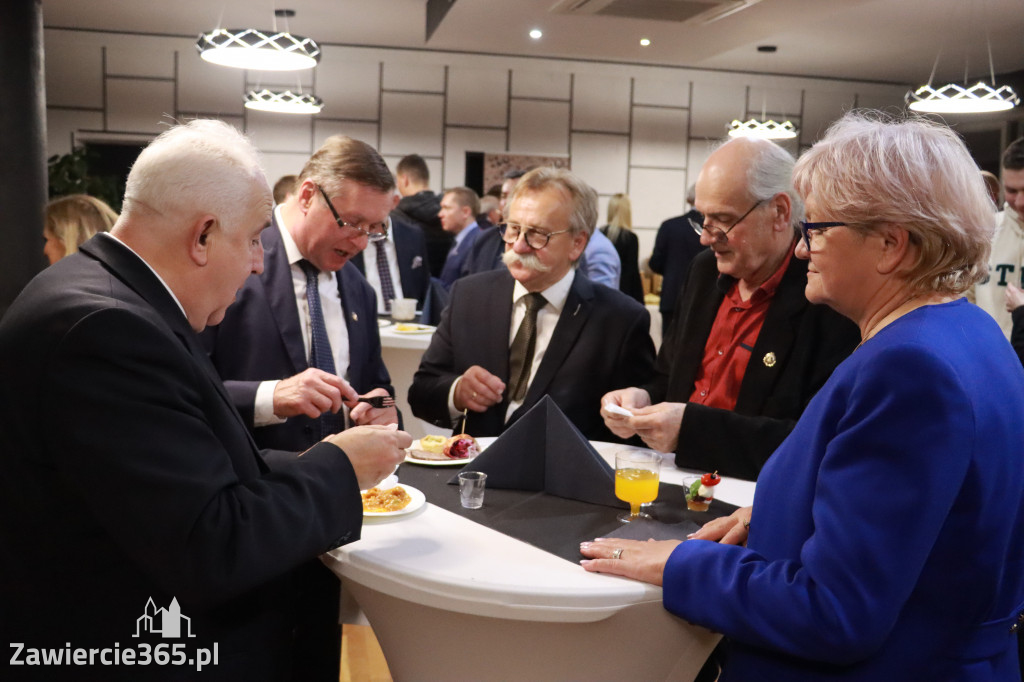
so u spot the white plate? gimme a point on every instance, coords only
(417, 501)
(411, 328)
(437, 462)
(383, 322)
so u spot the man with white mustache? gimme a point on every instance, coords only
(511, 336)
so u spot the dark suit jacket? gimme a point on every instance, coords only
(601, 342)
(486, 252)
(675, 246)
(260, 339)
(806, 342)
(413, 264)
(128, 475)
(453, 264)
(627, 245)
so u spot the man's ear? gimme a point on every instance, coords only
(783, 207)
(199, 239)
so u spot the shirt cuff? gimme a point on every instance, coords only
(263, 412)
(453, 412)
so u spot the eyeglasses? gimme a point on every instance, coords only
(535, 239)
(807, 230)
(375, 231)
(718, 235)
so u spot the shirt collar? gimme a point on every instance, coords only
(290, 248)
(464, 232)
(555, 295)
(155, 273)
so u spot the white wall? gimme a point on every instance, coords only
(643, 130)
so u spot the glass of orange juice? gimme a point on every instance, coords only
(636, 480)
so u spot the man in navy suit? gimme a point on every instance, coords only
(144, 485)
(459, 207)
(588, 339)
(674, 248)
(405, 259)
(262, 348)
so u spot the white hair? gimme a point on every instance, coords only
(203, 166)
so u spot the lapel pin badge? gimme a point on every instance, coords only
(355, 318)
(769, 359)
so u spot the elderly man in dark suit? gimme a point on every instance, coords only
(535, 327)
(264, 347)
(145, 489)
(746, 351)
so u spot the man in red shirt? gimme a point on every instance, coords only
(746, 351)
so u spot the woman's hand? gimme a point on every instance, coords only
(643, 561)
(728, 530)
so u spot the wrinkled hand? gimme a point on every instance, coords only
(374, 451)
(639, 560)
(311, 393)
(727, 530)
(658, 425)
(363, 413)
(478, 390)
(1014, 297)
(630, 398)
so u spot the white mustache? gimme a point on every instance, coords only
(530, 261)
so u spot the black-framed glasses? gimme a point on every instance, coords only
(535, 239)
(719, 235)
(808, 230)
(375, 232)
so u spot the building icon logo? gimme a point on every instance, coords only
(167, 622)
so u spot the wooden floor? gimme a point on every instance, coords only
(361, 657)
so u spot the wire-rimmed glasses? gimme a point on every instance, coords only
(374, 232)
(718, 235)
(535, 239)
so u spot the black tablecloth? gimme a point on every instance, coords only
(558, 525)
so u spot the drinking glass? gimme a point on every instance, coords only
(636, 480)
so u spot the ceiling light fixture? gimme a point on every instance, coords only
(763, 128)
(536, 34)
(645, 42)
(250, 48)
(962, 98)
(283, 102)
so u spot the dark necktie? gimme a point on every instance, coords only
(320, 355)
(387, 287)
(521, 351)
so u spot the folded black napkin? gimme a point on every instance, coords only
(543, 451)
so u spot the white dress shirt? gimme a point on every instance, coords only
(334, 320)
(547, 319)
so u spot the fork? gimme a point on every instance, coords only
(378, 401)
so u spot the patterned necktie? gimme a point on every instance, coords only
(387, 287)
(521, 350)
(320, 355)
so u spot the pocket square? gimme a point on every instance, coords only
(417, 262)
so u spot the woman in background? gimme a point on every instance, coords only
(71, 220)
(619, 231)
(885, 537)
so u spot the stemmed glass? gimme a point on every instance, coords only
(636, 480)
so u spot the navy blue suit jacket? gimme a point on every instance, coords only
(413, 265)
(453, 264)
(260, 339)
(602, 342)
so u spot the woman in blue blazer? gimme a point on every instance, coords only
(885, 540)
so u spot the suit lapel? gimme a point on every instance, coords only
(491, 343)
(130, 269)
(280, 292)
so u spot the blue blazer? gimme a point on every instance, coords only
(886, 537)
(411, 252)
(260, 339)
(453, 264)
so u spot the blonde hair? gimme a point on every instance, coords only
(77, 217)
(620, 215)
(871, 168)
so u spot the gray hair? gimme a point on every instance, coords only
(871, 168)
(771, 172)
(583, 218)
(201, 166)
